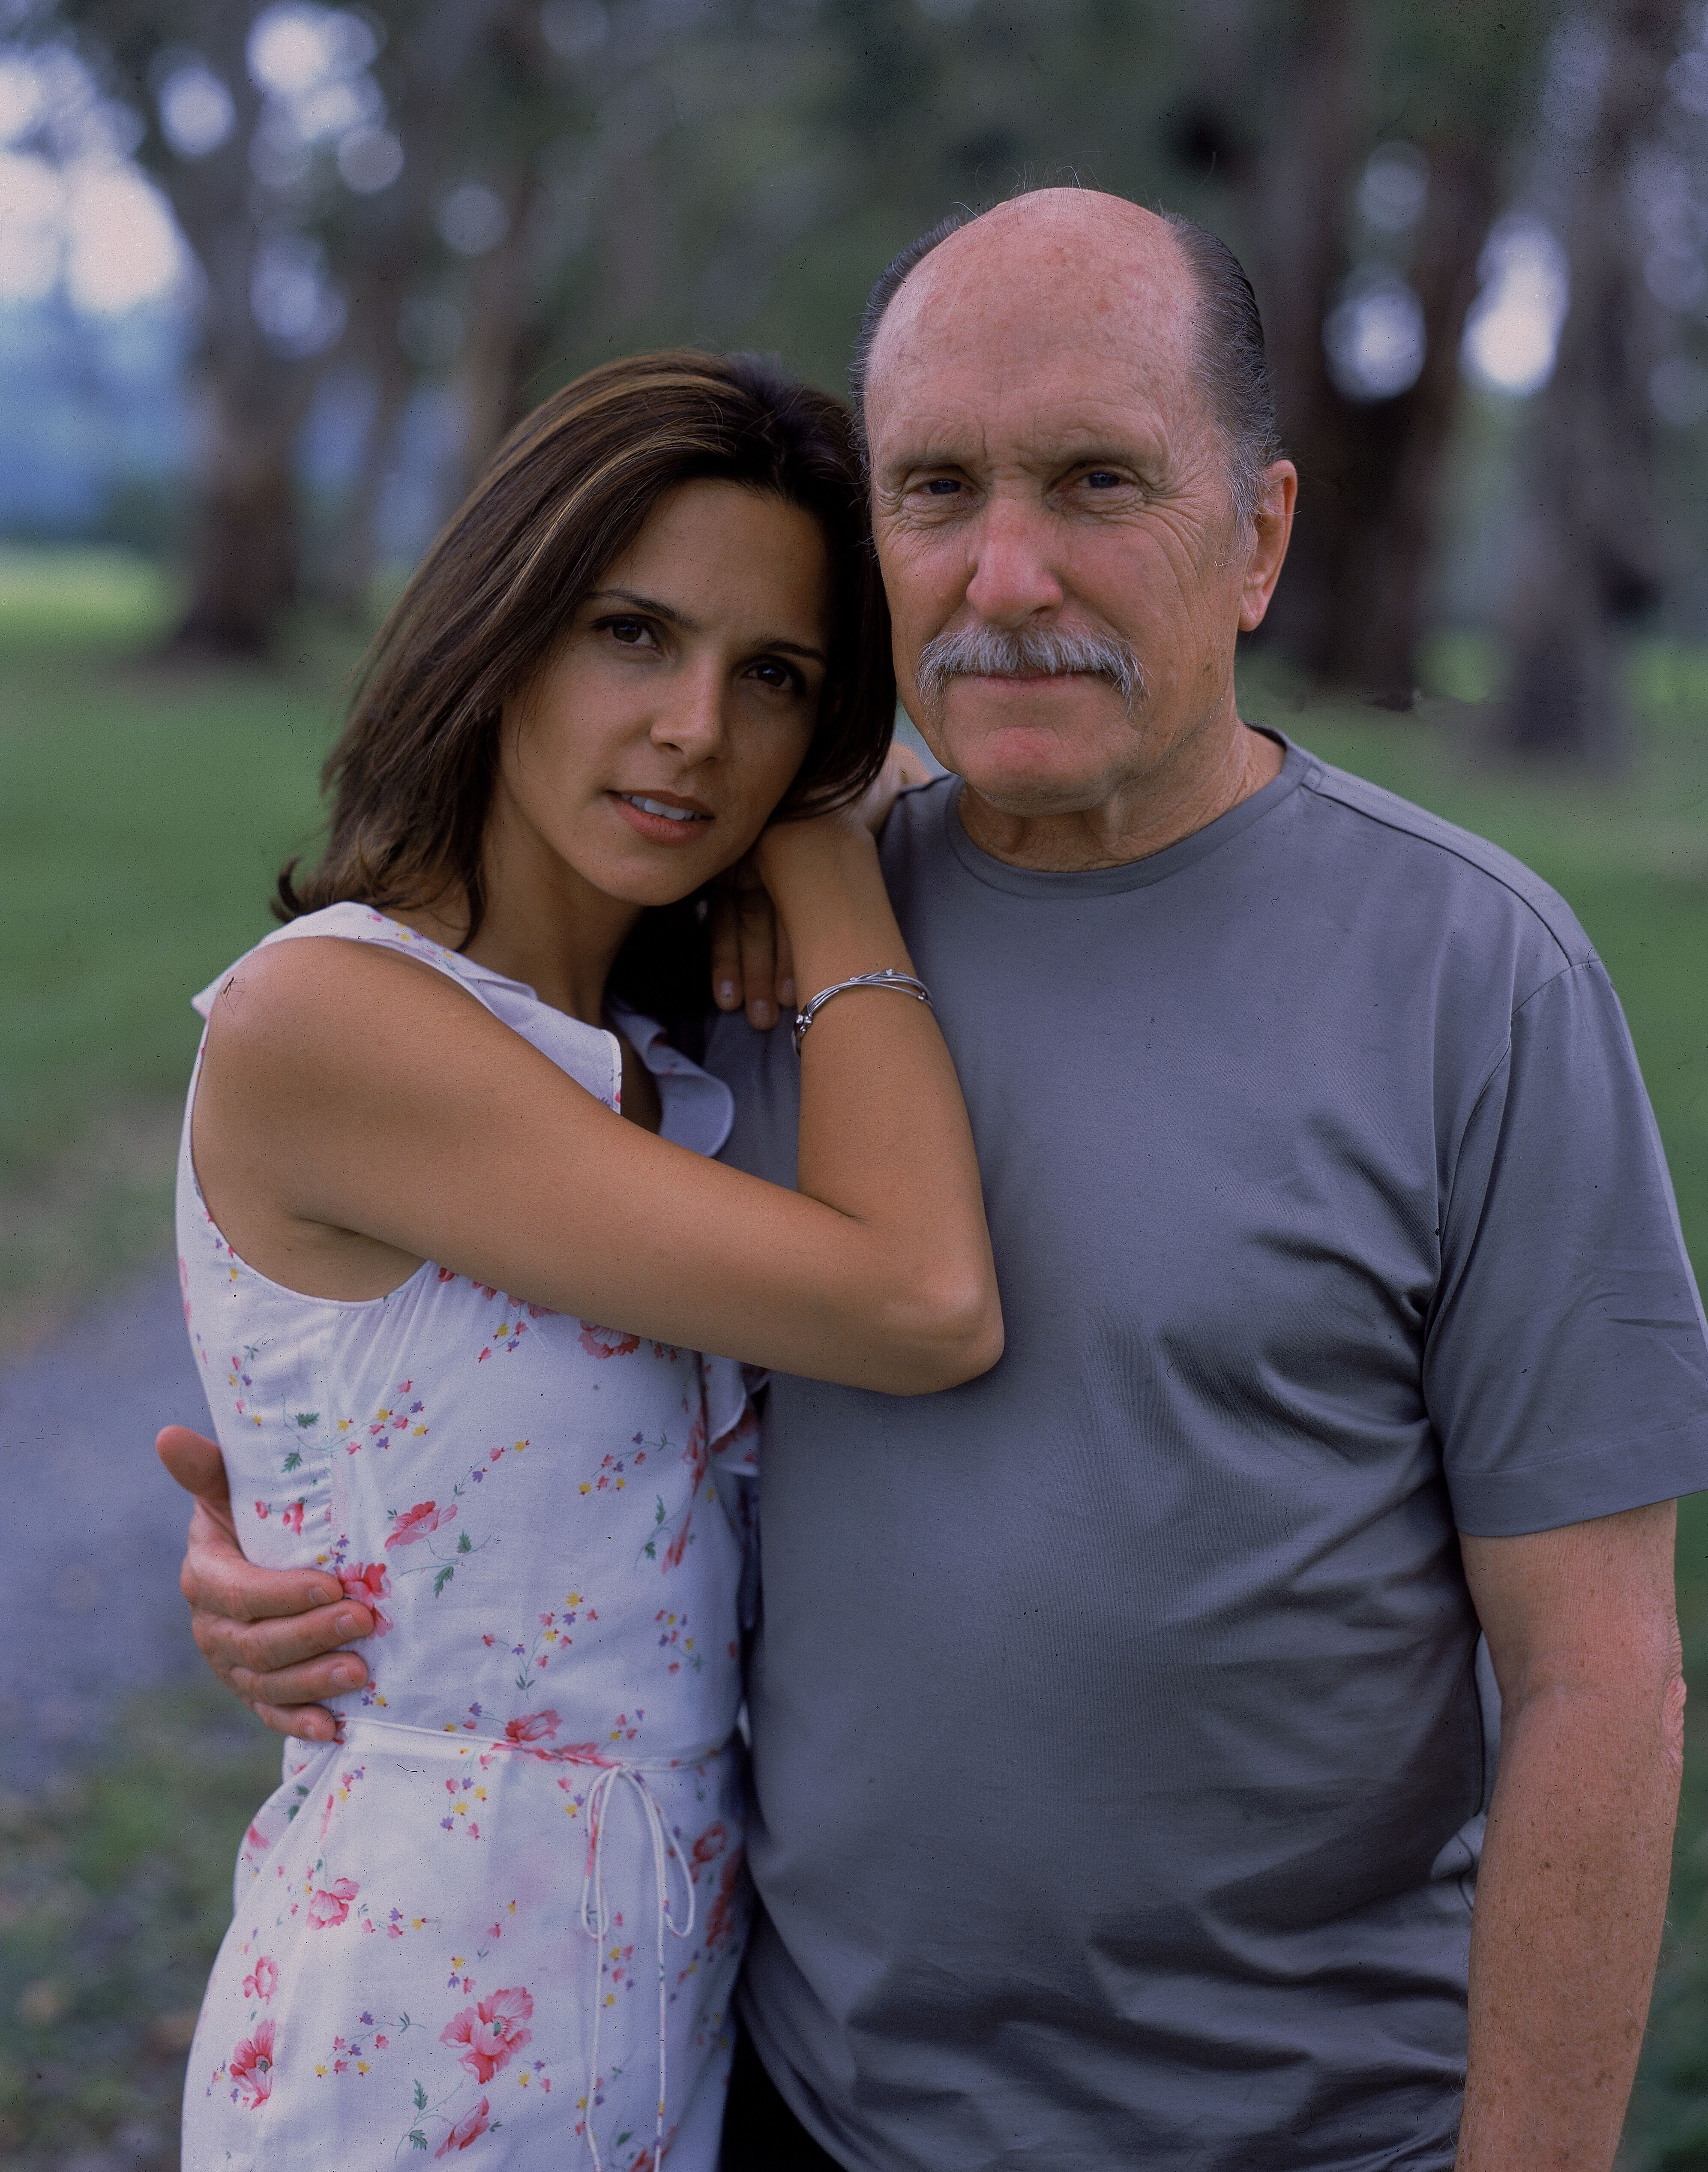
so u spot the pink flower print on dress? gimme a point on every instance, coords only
(252, 2065)
(329, 1904)
(367, 1583)
(465, 2130)
(606, 1341)
(492, 2032)
(264, 1981)
(531, 1727)
(400, 1419)
(292, 1517)
(710, 1845)
(720, 1920)
(415, 1522)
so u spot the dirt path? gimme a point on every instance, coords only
(89, 1608)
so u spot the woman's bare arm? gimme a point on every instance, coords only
(358, 1113)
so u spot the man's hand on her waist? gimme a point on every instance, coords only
(273, 1636)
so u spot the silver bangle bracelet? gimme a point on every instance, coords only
(889, 978)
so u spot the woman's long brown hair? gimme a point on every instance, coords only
(568, 491)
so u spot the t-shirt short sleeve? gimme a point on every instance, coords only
(1566, 1363)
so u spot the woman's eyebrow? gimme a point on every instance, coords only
(650, 605)
(672, 617)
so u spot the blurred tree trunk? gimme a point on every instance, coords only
(245, 543)
(391, 375)
(1383, 529)
(506, 343)
(1349, 609)
(438, 53)
(1589, 558)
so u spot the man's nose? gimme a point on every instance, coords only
(692, 720)
(1013, 577)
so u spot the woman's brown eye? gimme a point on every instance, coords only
(630, 630)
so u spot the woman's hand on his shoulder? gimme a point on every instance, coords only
(751, 966)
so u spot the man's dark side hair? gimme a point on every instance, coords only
(1231, 361)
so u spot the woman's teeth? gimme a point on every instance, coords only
(658, 807)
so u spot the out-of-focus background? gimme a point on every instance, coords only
(274, 280)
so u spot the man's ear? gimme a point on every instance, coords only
(1272, 527)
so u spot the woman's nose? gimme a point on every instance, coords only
(693, 720)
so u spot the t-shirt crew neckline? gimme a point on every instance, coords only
(1130, 874)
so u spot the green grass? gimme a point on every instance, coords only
(115, 1893)
(144, 810)
(143, 815)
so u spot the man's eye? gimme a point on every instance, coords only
(1103, 479)
(942, 486)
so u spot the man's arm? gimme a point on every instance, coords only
(273, 1636)
(1583, 1632)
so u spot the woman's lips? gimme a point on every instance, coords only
(661, 821)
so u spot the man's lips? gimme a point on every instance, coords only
(663, 818)
(1020, 678)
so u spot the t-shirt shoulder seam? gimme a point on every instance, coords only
(1503, 1057)
(1340, 788)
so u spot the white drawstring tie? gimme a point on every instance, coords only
(596, 1921)
(595, 1902)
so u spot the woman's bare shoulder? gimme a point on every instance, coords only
(287, 999)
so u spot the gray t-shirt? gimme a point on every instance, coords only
(1118, 1755)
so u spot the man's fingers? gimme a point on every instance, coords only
(308, 1723)
(216, 1582)
(311, 1683)
(216, 1577)
(264, 1647)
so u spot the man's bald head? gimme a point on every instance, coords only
(1066, 245)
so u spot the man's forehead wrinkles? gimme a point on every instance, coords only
(1028, 421)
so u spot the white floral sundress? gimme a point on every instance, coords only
(503, 1915)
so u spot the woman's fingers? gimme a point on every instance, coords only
(726, 949)
(786, 997)
(756, 926)
(750, 960)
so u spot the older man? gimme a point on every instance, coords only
(1121, 1755)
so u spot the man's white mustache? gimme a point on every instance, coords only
(989, 652)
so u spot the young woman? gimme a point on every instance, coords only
(451, 1238)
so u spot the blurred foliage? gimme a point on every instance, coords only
(115, 1893)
